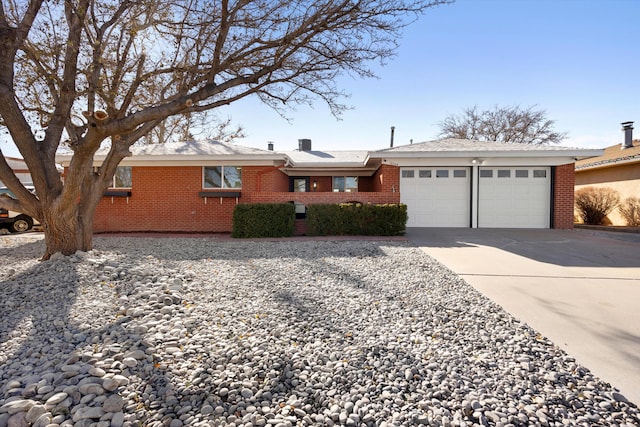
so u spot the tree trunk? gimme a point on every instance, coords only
(68, 230)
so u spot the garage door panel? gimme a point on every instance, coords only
(436, 197)
(514, 197)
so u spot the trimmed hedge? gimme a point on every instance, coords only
(356, 219)
(263, 220)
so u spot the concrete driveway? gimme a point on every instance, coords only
(580, 288)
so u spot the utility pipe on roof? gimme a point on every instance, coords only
(627, 127)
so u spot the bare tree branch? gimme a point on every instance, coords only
(90, 71)
(502, 124)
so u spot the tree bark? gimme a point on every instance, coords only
(68, 231)
(68, 225)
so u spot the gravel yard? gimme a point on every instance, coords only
(204, 332)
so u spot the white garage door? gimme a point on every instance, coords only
(514, 197)
(436, 197)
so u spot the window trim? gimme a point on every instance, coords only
(345, 190)
(113, 190)
(222, 180)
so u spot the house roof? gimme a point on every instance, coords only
(613, 156)
(451, 147)
(360, 162)
(325, 158)
(328, 162)
(186, 152)
(198, 148)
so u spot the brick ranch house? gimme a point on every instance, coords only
(194, 186)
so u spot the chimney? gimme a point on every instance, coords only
(627, 127)
(304, 144)
(270, 146)
(393, 128)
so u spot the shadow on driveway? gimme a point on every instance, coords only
(568, 248)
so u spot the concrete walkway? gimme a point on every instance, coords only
(580, 288)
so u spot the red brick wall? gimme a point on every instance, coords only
(563, 196)
(166, 199)
(387, 179)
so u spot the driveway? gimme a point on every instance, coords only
(580, 288)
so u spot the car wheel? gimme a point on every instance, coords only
(21, 224)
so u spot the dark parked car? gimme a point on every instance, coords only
(16, 222)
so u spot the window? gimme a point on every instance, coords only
(345, 183)
(299, 185)
(222, 177)
(486, 173)
(459, 173)
(122, 177)
(504, 173)
(424, 173)
(442, 173)
(408, 173)
(539, 173)
(522, 173)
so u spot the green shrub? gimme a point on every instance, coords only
(595, 203)
(630, 211)
(263, 220)
(356, 219)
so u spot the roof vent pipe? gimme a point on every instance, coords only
(627, 127)
(393, 129)
(304, 144)
(270, 146)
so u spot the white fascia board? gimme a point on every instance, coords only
(329, 171)
(290, 162)
(188, 161)
(216, 161)
(480, 161)
(573, 154)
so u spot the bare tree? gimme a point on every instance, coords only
(96, 70)
(191, 126)
(502, 124)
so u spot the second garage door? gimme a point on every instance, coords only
(436, 197)
(514, 197)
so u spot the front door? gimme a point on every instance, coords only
(299, 184)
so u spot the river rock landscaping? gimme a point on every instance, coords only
(209, 332)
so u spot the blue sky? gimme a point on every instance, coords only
(577, 59)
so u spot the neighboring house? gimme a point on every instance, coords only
(448, 183)
(19, 167)
(617, 168)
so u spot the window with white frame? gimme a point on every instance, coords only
(122, 177)
(222, 177)
(345, 184)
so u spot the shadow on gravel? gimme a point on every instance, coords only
(236, 250)
(43, 342)
(214, 345)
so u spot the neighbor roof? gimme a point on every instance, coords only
(612, 156)
(451, 147)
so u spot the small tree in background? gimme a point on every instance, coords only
(630, 211)
(502, 124)
(595, 203)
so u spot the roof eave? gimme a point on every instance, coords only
(575, 154)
